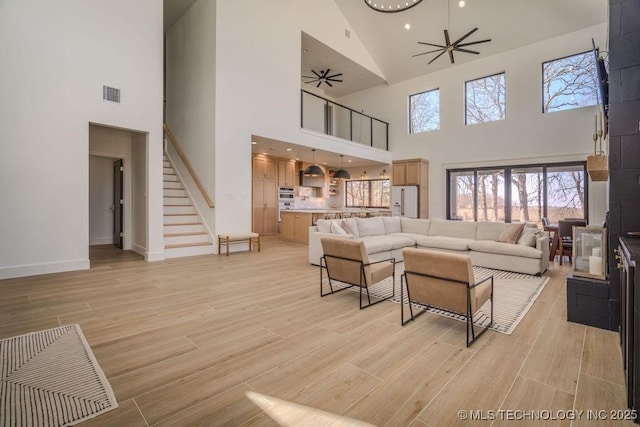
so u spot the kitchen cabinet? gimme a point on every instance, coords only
(265, 206)
(295, 227)
(626, 256)
(287, 176)
(414, 172)
(265, 167)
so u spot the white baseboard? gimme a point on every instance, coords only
(154, 256)
(44, 268)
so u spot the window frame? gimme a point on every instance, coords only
(466, 98)
(587, 52)
(411, 130)
(507, 196)
(369, 204)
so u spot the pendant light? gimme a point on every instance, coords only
(341, 173)
(314, 170)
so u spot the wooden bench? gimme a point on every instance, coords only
(227, 239)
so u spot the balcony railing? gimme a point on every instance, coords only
(322, 115)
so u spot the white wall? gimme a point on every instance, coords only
(61, 53)
(100, 200)
(190, 95)
(526, 136)
(139, 196)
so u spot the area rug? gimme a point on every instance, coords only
(51, 378)
(513, 296)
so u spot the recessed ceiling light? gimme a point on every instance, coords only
(349, 161)
(253, 143)
(407, 26)
(461, 3)
(264, 154)
(288, 149)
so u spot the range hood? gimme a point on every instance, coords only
(311, 181)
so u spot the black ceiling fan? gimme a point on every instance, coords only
(450, 47)
(323, 77)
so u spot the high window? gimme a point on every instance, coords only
(424, 111)
(368, 193)
(485, 99)
(518, 193)
(569, 82)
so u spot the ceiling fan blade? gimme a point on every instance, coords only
(465, 36)
(335, 75)
(313, 81)
(324, 73)
(472, 43)
(327, 82)
(319, 83)
(334, 80)
(446, 38)
(314, 72)
(451, 57)
(308, 77)
(424, 53)
(467, 51)
(434, 45)
(437, 56)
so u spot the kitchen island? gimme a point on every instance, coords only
(295, 223)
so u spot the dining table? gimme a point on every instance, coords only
(553, 228)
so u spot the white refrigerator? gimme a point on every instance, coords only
(404, 201)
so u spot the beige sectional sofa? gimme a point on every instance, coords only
(484, 242)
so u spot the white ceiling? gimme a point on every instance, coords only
(508, 23)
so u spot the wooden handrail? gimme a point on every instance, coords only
(188, 165)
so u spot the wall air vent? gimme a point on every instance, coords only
(111, 94)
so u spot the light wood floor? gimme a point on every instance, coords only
(247, 340)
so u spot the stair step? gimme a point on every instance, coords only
(195, 227)
(184, 251)
(186, 239)
(179, 209)
(168, 170)
(171, 219)
(186, 245)
(175, 185)
(174, 192)
(176, 201)
(166, 164)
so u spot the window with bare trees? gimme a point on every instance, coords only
(569, 82)
(368, 193)
(424, 111)
(518, 193)
(485, 99)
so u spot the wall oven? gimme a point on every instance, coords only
(286, 200)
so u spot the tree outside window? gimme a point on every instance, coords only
(368, 193)
(569, 82)
(424, 111)
(485, 99)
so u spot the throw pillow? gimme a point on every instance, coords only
(528, 237)
(324, 226)
(336, 229)
(511, 233)
(347, 227)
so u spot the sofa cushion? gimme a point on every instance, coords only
(444, 242)
(391, 224)
(324, 225)
(414, 225)
(349, 225)
(375, 244)
(412, 236)
(448, 228)
(370, 226)
(511, 233)
(505, 249)
(490, 230)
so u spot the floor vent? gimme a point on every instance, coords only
(111, 94)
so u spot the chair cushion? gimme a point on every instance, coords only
(461, 229)
(444, 242)
(505, 249)
(370, 226)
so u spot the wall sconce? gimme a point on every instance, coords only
(382, 174)
(363, 175)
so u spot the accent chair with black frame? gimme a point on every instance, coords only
(444, 280)
(347, 261)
